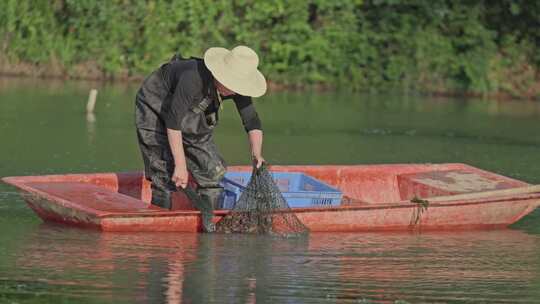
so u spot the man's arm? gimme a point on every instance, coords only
(252, 125)
(180, 175)
(255, 142)
(186, 90)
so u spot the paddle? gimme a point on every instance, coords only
(204, 206)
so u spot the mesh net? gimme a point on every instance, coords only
(261, 209)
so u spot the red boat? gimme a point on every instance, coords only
(376, 198)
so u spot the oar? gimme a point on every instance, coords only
(204, 206)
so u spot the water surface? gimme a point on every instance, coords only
(44, 130)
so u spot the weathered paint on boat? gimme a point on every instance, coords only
(377, 198)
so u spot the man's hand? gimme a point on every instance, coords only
(255, 141)
(180, 176)
(258, 160)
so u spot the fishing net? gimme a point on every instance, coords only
(261, 209)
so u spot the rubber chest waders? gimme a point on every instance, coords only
(204, 162)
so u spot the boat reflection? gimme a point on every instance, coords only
(199, 268)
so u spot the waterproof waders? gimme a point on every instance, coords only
(202, 157)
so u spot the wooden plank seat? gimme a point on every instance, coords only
(90, 197)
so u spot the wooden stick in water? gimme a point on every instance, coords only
(91, 104)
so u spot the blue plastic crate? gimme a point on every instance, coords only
(298, 189)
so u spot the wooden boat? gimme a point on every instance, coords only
(376, 198)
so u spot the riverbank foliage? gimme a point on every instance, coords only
(479, 47)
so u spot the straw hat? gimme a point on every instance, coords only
(236, 69)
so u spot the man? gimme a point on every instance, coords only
(176, 111)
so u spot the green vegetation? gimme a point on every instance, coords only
(452, 46)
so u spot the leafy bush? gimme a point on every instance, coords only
(439, 45)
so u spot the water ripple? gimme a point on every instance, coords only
(56, 262)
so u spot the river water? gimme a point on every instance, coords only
(44, 130)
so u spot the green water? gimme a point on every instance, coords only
(44, 130)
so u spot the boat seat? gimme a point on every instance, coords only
(89, 196)
(450, 182)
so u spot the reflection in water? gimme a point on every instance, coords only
(91, 128)
(90, 119)
(245, 269)
(198, 268)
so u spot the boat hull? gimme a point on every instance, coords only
(392, 218)
(119, 202)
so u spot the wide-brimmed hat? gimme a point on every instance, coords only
(236, 69)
